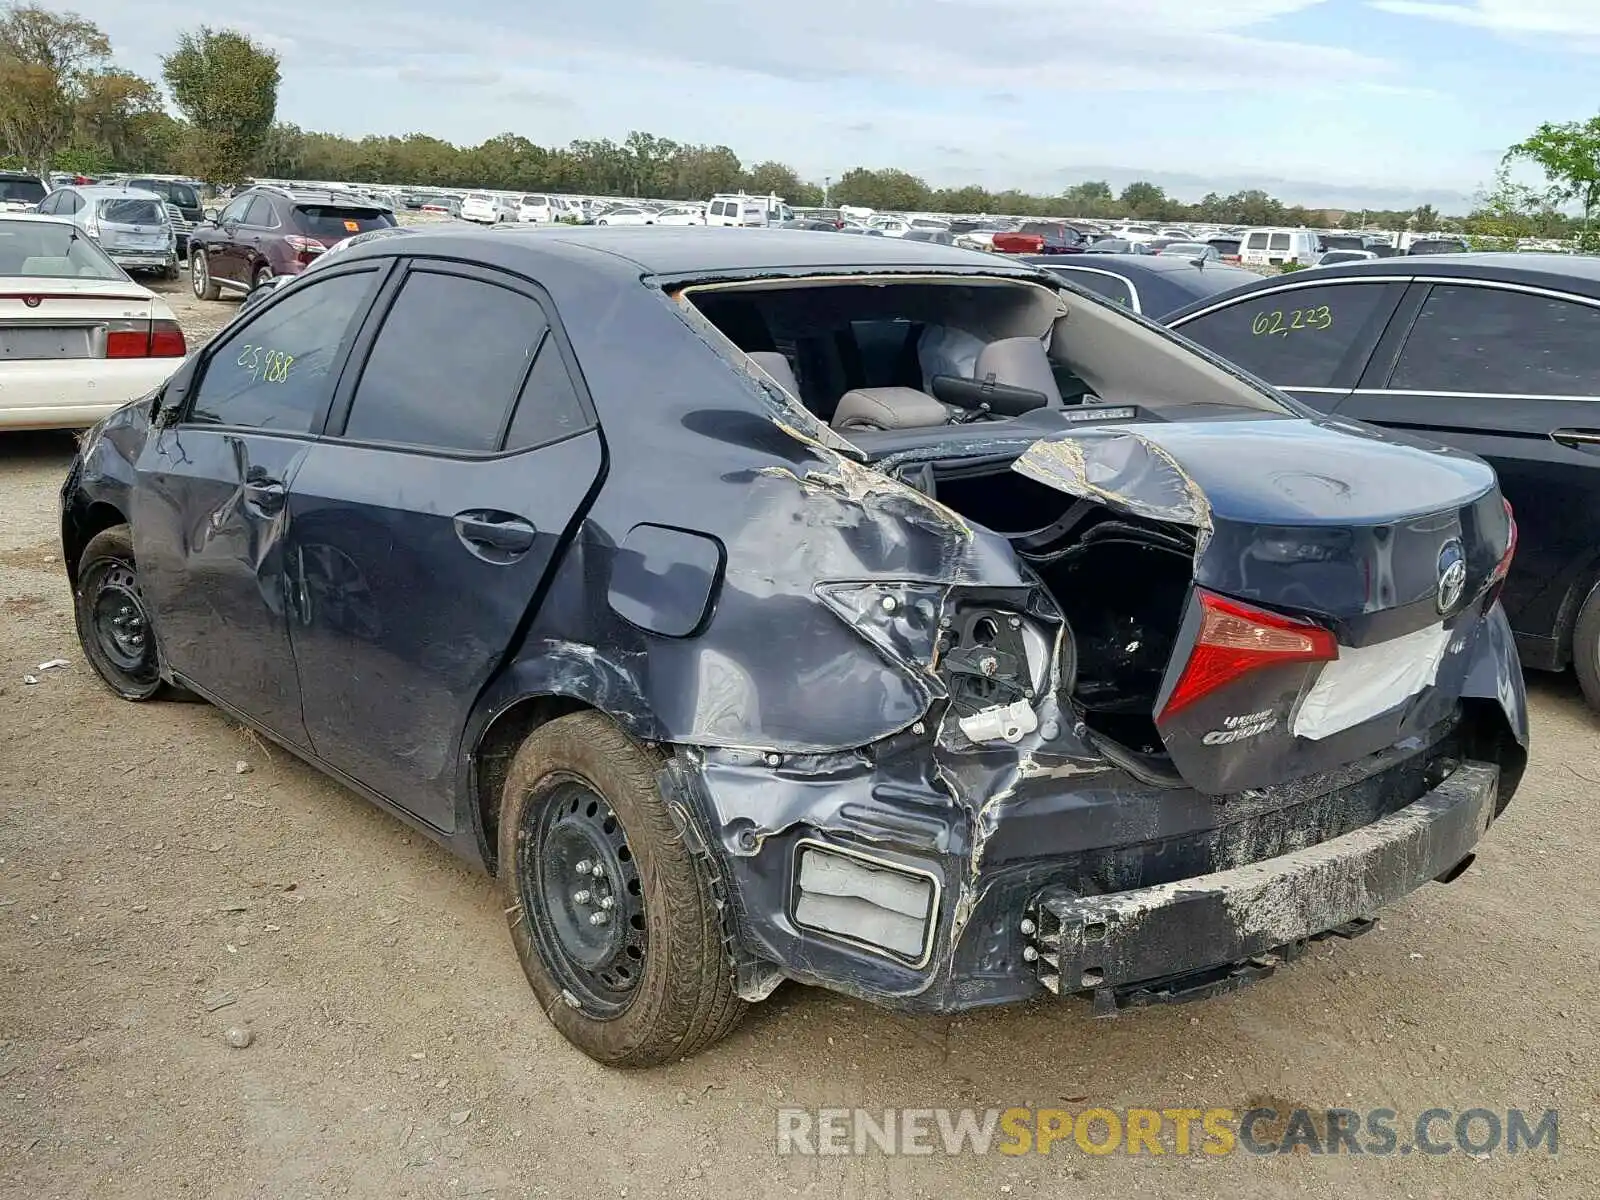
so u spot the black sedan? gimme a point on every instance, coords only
(873, 614)
(1496, 354)
(1151, 284)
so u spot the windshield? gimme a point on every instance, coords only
(338, 221)
(25, 191)
(52, 248)
(1185, 248)
(133, 212)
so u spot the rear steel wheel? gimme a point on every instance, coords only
(581, 890)
(613, 913)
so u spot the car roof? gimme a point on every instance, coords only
(42, 218)
(1572, 273)
(1144, 264)
(683, 250)
(96, 191)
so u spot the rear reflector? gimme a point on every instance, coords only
(1236, 639)
(867, 901)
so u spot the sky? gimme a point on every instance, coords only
(1347, 103)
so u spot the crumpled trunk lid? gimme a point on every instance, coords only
(1393, 548)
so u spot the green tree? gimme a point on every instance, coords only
(1569, 156)
(45, 58)
(774, 178)
(121, 116)
(969, 199)
(891, 189)
(226, 84)
(1425, 219)
(1143, 199)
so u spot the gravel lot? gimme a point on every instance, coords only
(165, 878)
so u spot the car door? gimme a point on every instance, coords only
(224, 254)
(261, 225)
(210, 512)
(460, 458)
(1310, 339)
(1511, 374)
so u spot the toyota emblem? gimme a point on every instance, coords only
(1452, 575)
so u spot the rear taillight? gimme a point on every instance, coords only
(146, 339)
(1497, 577)
(1236, 639)
(305, 248)
(166, 340)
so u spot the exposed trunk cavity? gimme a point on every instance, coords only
(1120, 581)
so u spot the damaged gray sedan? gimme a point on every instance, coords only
(764, 606)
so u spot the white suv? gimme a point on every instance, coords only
(483, 208)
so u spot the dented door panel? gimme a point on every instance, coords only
(210, 520)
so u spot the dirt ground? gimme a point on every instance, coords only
(165, 879)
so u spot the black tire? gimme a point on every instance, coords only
(205, 287)
(113, 626)
(681, 997)
(1586, 648)
(170, 271)
(262, 273)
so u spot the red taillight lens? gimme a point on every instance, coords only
(128, 343)
(1236, 639)
(155, 339)
(1497, 577)
(1503, 567)
(305, 248)
(166, 340)
(148, 340)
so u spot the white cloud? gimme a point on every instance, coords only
(1546, 18)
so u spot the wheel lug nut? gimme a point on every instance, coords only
(581, 897)
(597, 870)
(599, 918)
(583, 867)
(608, 903)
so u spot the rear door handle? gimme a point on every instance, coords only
(498, 536)
(1577, 439)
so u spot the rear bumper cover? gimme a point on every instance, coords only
(1094, 942)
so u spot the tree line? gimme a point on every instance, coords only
(65, 106)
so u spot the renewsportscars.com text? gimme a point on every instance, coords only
(1156, 1131)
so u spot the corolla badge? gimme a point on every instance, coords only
(1452, 575)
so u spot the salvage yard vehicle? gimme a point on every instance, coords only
(78, 338)
(1496, 354)
(268, 231)
(1151, 284)
(134, 227)
(861, 612)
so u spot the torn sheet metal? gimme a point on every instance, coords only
(1121, 468)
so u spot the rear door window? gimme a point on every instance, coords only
(1280, 241)
(1299, 338)
(277, 371)
(261, 214)
(1478, 339)
(548, 408)
(1256, 241)
(452, 356)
